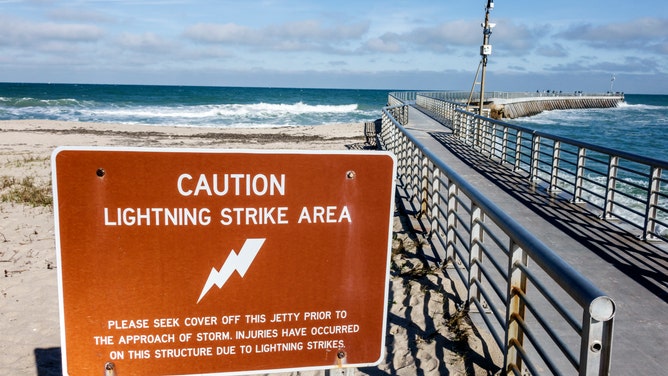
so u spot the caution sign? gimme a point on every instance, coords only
(188, 262)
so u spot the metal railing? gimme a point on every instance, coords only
(614, 184)
(544, 315)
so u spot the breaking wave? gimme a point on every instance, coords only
(207, 115)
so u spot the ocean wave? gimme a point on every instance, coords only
(628, 113)
(27, 102)
(226, 115)
(203, 111)
(570, 118)
(637, 106)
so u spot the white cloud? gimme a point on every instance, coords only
(640, 34)
(628, 65)
(20, 32)
(79, 15)
(171, 38)
(146, 42)
(222, 33)
(446, 35)
(387, 43)
(554, 50)
(307, 35)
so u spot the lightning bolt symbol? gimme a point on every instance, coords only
(239, 262)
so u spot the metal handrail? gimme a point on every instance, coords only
(614, 184)
(490, 253)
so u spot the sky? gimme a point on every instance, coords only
(566, 45)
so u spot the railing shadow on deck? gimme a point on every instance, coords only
(542, 314)
(644, 262)
(614, 184)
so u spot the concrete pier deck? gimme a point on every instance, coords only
(632, 272)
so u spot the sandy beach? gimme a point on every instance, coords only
(422, 337)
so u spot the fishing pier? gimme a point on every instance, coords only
(557, 248)
(512, 105)
(511, 108)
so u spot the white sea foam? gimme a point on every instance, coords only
(625, 105)
(226, 115)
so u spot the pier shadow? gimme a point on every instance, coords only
(642, 261)
(426, 334)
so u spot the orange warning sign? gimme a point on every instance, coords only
(210, 262)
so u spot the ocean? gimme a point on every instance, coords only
(639, 126)
(189, 106)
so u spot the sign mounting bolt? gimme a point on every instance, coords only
(109, 369)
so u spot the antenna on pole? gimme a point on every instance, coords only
(485, 51)
(612, 81)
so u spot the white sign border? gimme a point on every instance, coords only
(61, 308)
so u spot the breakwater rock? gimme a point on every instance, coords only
(519, 107)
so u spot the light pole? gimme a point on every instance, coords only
(485, 50)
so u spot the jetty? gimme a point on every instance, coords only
(511, 108)
(557, 248)
(511, 105)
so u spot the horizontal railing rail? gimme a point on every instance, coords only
(401, 97)
(543, 314)
(612, 183)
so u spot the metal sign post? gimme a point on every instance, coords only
(188, 262)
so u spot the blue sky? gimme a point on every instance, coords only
(537, 45)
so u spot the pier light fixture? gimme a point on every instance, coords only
(485, 51)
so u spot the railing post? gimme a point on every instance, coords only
(395, 138)
(424, 199)
(477, 142)
(535, 158)
(611, 187)
(461, 130)
(518, 151)
(415, 171)
(652, 203)
(435, 201)
(554, 175)
(456, 119)
(491, 135)
(407, 162)
(579, 175)
(402, 147)
(470, 130)
(453, 191)
(393, 135)
(496, 141)
(504, 145)
(486, 137)
(515, 306)
(596, 345)
(475, 255)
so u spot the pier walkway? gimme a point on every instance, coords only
(632, 272)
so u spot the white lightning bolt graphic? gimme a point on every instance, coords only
(240, 263)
